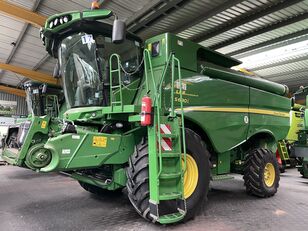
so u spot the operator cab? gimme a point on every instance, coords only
(43, 99)
(84, 62)
(83, 44)
(300, 96)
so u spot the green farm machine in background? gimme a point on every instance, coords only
(285, 148)
(159, 117)
(293, 150)
(23, 145)
(301, 145)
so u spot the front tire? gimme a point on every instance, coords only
(138, 176)
(261, 173)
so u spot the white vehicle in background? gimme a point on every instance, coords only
(5, 122)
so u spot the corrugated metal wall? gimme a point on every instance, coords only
(21, 102)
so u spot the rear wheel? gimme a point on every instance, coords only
(304, 169)
(261, 173)
(196, 178)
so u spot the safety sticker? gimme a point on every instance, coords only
(76, 137)
(66, 151)
(99, 141)
(166, 143)
(44, 124)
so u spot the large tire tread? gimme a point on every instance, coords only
(138, 177)
(254, 173)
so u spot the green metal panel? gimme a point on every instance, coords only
(269, 114)
(88, 150)
(223, 165)
(296, 124)
(221, 116)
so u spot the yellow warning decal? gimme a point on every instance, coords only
(44, 123)
(99, 141)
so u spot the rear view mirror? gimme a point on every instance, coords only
(118, 31)
(56, 71)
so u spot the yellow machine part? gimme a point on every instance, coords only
(191, 176)
(296, 124)
(269, 175)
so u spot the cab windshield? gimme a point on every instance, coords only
(84, 62)
(300, 96)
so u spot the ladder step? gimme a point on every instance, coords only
(172, 136)
(171, 218)
(170, 175)
(222, 177)
(114, 87)
(116, 70)
(170, 196)
(171, 154)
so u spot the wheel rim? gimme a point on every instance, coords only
(191, 176)
(269, 174)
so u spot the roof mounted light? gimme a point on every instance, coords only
(55, 22)
(65, 19)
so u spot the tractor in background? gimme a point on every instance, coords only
(159, 117)
(23, 145)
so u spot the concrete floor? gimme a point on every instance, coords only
(33, 201)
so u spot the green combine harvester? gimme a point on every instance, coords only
(301, 145)
(24, 144)
(285, 148)
(291, 152)
(159, 117)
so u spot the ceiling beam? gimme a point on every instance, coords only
(21, 36)
(22, 14)
(257, 48)
(162, 8)
(36, 67)
(288, 61)
(22, 33)
(300, 71)
(34, 75)
(201, 18)
(263, 30)
(13, 91)
(241, 21)
(294, 82)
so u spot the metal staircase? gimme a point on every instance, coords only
(283, 152)
(166, 138)
(167, 161)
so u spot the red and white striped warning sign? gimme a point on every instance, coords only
(166, 143)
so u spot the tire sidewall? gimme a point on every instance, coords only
(270, 158)
(197, 149)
